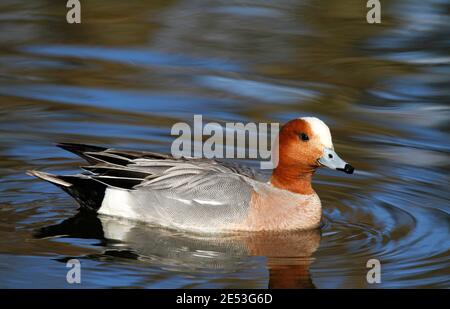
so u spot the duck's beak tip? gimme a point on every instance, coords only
(347, 169)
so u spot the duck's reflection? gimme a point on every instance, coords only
(288, 254)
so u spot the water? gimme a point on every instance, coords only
(131, 70)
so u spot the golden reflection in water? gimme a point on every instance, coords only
(288, 255)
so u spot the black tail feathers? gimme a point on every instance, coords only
(86, 191)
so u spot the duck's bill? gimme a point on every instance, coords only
(331, 160)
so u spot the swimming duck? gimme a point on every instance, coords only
(207, 195)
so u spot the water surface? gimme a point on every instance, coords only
(131, 70)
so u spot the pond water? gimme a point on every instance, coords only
(131, 70)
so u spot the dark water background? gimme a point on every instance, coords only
(132, 69)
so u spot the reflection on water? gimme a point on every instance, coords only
(130, 70)
(288, 255)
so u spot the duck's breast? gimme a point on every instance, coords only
(273, 209)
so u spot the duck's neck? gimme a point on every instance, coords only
(293, 179)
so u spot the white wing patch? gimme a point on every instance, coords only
(208, 202)
(321, 130)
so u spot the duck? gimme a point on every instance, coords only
(206, 195)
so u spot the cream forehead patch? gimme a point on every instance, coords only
(320, 129)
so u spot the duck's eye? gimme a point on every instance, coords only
(304, 137)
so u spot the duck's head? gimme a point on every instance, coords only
(305, 144)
